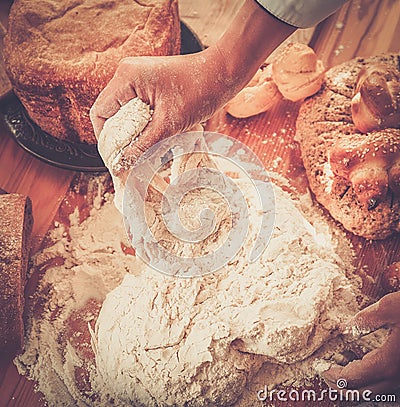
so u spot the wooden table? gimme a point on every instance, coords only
(361, 27)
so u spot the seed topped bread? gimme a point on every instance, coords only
(353, 174)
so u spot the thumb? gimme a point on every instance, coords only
(385, 312)
(156, 130)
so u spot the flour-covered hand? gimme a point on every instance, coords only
(379, 370)
(184, 90)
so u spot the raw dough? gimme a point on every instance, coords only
(118, 132)
(162, 340)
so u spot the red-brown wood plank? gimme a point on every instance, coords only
(362, 27)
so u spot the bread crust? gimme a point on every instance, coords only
(60, 54)
(325, 121)
(15, 231)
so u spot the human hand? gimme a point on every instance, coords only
(182, 91)
(379, 370)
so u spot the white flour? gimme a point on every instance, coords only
(118, 132)
(162, 340)
(201, 337)
(94, 264)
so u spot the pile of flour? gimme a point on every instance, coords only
(163, 340)
(209, 340)
(93, 262)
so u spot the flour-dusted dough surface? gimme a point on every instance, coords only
(163, 341)
(122, 128)
(117, 133)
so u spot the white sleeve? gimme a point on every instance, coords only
(301, 13)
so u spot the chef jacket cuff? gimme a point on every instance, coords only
(303, 13)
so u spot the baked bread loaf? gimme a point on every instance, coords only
(60, 54)
(297, 71)
(15, 230)
(258, 96)
(294, 73)
(354, 173)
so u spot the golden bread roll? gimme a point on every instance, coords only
(376, 101)
(260, 95)
(297, 72)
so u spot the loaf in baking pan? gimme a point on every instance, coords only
(60, 54)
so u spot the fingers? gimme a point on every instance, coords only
(376, 371)
(379, 387)
(380, 368)
(381, 364)
(178, 100)
(116, 94)
(382, 313)
(358, 373)
(97, 121)
(156, 130)
(382, 387)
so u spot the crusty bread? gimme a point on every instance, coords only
(15, 230)
(326, 133)
(258, 96)
(297, 72)
(60, 54)
(294, 73)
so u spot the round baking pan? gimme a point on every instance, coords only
(61, 153)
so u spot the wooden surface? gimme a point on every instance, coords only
(362, 27)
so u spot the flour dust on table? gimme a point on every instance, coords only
(106, 329)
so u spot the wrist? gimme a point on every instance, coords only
(215, 85)
(253, 35)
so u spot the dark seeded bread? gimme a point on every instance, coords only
(325, 118)
(15, 230)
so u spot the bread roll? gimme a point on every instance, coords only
(297, 72)
(294, 73)
(260, 95)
